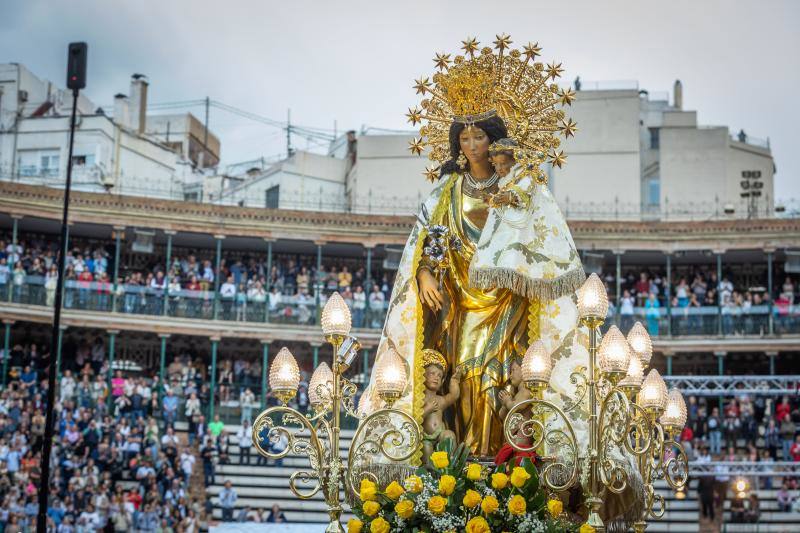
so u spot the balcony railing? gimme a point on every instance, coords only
(407, 205)
(707, 321)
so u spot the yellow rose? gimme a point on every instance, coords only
(499, 481)
(516, 505)
(404, 509)
(519, 476)
(474, 472)
(371, 508)
(489, 504)
(555, 507)
(586, 528)
(471, 499)
(368, 491)
(478, 525)
(437, 504)
(379, 525)
(440, 459)
(447, 484)
(354, 525)
(394, 490)
(414, 484)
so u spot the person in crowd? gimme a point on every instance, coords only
(714, 430)
(276, 515)
(247, 399)
(244, 438)
(216, 427)
(227, 500)
(376, 306)
(784, 497)
(170, 407)
(788, 430)
(208, 454)
(753, 512)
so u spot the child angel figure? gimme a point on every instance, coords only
(513, 394)
(433, 426)
(501, 155)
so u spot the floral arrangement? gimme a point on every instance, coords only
(451, 494)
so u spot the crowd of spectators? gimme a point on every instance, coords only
(753, 429)
(118, 463)
(291, 289)
(115, 465)
(249, 288)
(700, 304)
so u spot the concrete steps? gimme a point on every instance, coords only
(260, 487)
(759, 528)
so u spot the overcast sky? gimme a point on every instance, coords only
(354, 62)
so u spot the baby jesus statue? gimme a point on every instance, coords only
(433, 427)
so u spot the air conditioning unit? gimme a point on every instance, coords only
(22, 96)
(105, 179)
(142, 241)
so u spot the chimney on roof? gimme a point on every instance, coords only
(122, 110)
(678, 94)
(138, 102)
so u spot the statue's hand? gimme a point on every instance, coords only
(501, 199)
(429, 291)
(506, 398)
(431, 407)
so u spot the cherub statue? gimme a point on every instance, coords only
(518, 393)
(433, 427)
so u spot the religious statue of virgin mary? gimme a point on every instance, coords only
(490, 265)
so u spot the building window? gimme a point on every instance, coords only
(83, 160)
(38, 162)
(654, 138)
(653, 191)
(273, 194)
(49, 165)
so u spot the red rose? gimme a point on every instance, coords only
(507, 452)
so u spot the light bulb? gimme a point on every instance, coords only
(614, 352)
(336, 316)
(640, 342)
(592, 298)
(367, 404)
(633, 378)
(674, 417)
(537, 364)
(653, 394)
(390, 376)
(320, 386)
(284, 375)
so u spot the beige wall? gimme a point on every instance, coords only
(387, 177)
(703, 165)
(693, 165)
(603, 164)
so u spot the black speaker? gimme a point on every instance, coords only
(76, 66)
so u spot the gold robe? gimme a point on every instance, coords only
(478, 331)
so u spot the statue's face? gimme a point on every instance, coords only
(503, 163)
(475, 145)
(516, 374)
(433, 377)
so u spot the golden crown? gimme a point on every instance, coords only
(486, 82)
(432, 357)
